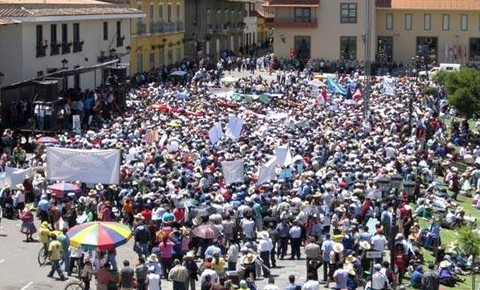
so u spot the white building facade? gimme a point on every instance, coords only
(44, 40)
(250, 31)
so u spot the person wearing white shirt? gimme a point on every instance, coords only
(265, 246)
(271, 285)
(295, 239)
(379, 280)
(209, 271)
(311, 283)
(248, 226)
(378, 242)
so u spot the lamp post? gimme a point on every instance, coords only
(65, 78)
(409, 187)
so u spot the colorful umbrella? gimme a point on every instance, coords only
(60, 189)
(99, 235)
(206, 231)
(46, 140)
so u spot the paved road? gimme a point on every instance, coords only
(20, 271)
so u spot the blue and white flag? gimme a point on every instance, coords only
(334, 87)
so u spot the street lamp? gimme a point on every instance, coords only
(397, 182)
(409, 187)
(383, 184)
(64, 63)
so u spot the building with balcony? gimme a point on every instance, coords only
(38, 38)
(335, 29)
(439, 31)
(214, 26)
(157, 39)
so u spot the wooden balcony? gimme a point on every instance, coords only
(291, 23)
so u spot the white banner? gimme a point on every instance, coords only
(88, 166)
(389, 86)
(5, 180)
(16, 175)
(215, 133)
(266, 172)
(233, 171)
(76, 126)
(283, 155)
(234, 128)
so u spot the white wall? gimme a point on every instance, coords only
(25, 65)
(10, 58)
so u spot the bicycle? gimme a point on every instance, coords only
(42, 256)
(75, 285)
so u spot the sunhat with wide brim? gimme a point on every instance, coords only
(365, 245)
(444, 264)
(152, 258)
(249, 258)
(338, 247)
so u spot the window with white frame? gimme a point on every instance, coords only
(445, 22)
(464, 22)
(408, 21)
(389, 21)
(427, 21)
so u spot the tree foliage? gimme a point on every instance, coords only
(469, 241)
(463, 90)
(439, 77)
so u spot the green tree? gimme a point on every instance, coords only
(470, 245)
(439, 77)
(463, 90)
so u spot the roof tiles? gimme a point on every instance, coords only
(430, 4)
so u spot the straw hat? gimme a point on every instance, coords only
(365, 245)
(29, 207)
(152, 258)
(197, 221)
(350, 259)
(338, 247)
(20, 186)
(249, 258)
(139, 216)
(263, 235)
(444, 264)
(189, 255)
(92, 192)
(99, 186)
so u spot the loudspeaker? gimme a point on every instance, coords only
(47, 91)
(120, 73)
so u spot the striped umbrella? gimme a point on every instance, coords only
(99, 235)
(60, 189)
(46, 140)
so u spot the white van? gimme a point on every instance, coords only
(448, 67)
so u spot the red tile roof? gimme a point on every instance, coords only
(430, 4)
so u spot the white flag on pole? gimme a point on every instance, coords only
(234, 128)
(215, 133)
(233, 171)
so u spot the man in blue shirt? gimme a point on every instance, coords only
(416, 279)
(43, 207)
(327, 247)
(291, 283)
(283, 234)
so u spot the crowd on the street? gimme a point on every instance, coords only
(323, 206)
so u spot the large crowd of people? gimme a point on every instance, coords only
(322, 204)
